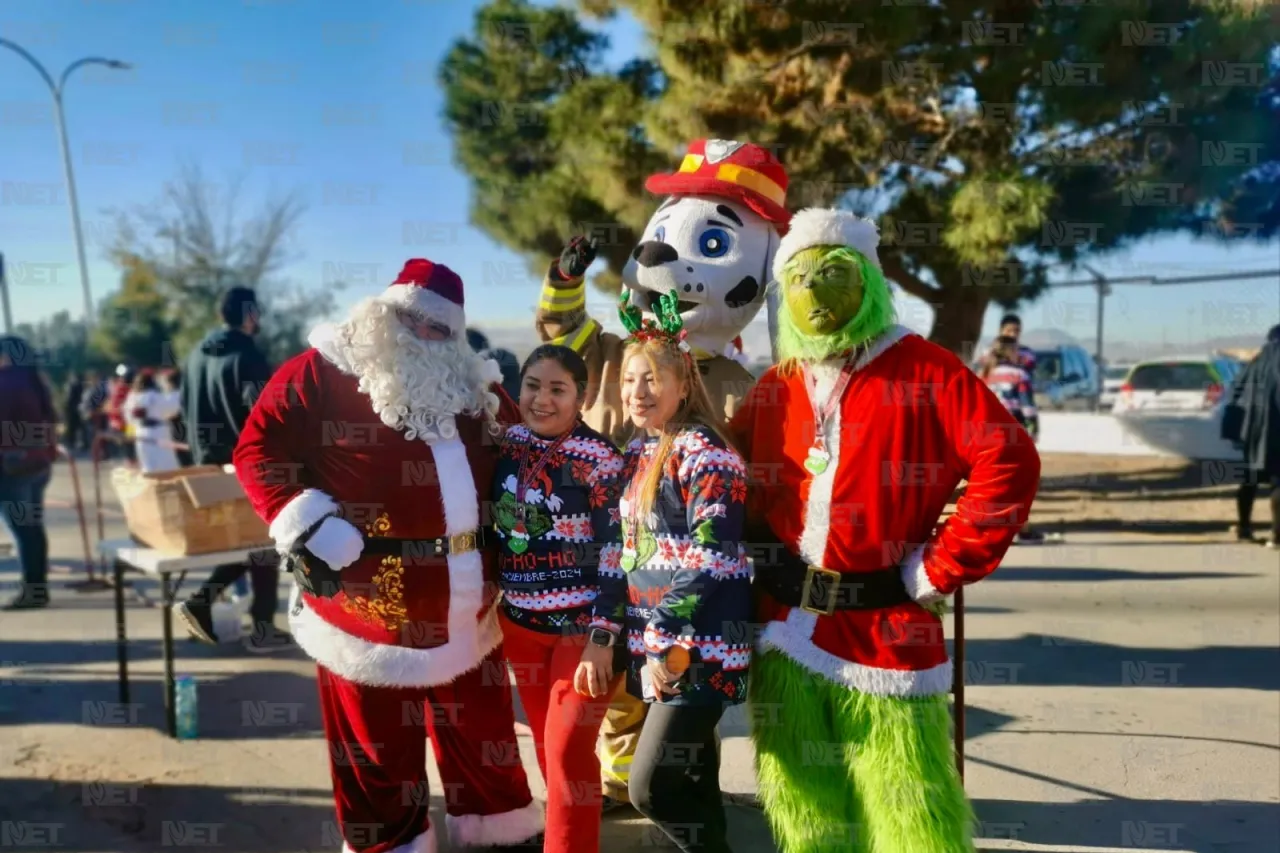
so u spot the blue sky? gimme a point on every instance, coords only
(326, 100)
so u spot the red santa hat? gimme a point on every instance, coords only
(430, 289)
(816, 226)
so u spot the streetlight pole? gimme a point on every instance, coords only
(56, 90)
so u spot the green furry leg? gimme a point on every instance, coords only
(904, 771)
(802, 771)
(842, 770)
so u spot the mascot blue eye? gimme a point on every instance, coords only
(714, 242)
(661, 234)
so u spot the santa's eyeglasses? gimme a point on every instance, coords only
(423, 327)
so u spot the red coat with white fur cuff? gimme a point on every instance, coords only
(914, 422)
(312, 447)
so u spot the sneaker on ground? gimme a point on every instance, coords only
(268, 639)
(199, 621)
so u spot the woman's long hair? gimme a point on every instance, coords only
(666, 359)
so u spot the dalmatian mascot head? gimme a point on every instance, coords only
(712, 240)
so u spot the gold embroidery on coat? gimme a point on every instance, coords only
(387, 605)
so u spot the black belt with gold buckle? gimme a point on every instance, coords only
(815, 589)
(459, 543)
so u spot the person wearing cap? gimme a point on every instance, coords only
(368, 456)
(862, 433)
(711, 243)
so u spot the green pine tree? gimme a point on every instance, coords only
(990, 139)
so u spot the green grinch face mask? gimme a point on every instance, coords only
(835, 300)
(823, 291)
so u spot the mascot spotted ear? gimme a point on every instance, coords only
(711, 242)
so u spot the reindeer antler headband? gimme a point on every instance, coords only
(668, 328)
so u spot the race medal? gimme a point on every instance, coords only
(817, 461)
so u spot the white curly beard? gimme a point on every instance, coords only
(415, 386)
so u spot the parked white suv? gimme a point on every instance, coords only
(1179, 384)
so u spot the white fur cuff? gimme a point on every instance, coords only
(916, 579)
(816, 226)
(495, 830)
(298, 516)
(337, 542)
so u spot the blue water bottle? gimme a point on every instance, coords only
(185, 710)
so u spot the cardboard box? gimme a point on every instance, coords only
(189, 511)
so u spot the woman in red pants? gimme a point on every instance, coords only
(554, 498)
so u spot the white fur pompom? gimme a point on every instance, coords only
(490, 371)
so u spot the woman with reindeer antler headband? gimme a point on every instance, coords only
(679, 578)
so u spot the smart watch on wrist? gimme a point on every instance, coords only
(601, 637)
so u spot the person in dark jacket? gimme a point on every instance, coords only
(224, 376)
(1252, 421)
(506, 359)
(28, 448)
(75, 435)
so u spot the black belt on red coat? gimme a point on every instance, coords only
(386, 546)
(795, 583)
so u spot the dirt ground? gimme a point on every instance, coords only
(1142, 495)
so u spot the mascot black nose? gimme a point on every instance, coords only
(653, 253)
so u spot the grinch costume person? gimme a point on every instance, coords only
(857, 440)
(711, 243)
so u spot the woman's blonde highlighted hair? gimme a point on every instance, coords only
(665, 358)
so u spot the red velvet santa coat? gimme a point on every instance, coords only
(313, 445)
(914, 422)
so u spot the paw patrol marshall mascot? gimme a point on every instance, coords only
(711, 242)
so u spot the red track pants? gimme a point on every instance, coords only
(565, 726)
(378, 759)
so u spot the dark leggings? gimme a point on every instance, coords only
(675, 776)
(1244, 504)
(265, 576)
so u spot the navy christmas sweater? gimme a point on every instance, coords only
(548, 560)
(683, 572)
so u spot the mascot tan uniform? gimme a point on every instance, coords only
(711, 241)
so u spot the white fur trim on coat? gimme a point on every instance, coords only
(427, 302)
(794, 638)
(916, 579)
(378, 664)
(424, 843)
(817, 226)
(495, 830)
(297, 516)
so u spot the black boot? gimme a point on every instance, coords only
(198, 617)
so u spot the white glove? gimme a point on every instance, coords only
(510, 484)
(554, 503)
(337, 542)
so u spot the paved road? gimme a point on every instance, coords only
(1122, 696)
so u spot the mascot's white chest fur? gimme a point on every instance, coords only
(715, 254)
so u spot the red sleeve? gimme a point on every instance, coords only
(270, 458)
(508, 411)
(999, 460)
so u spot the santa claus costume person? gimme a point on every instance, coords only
(367, 455)
(859, 438)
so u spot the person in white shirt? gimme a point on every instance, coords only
(148, 409)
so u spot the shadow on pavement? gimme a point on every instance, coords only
(1201, 827)
(122, 817)
(1067, 662)
(1062, 574)
(245, 706)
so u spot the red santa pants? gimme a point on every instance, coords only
(565, 726)
(378, 759)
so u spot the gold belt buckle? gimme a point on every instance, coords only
(821, 584)
(462, 543)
